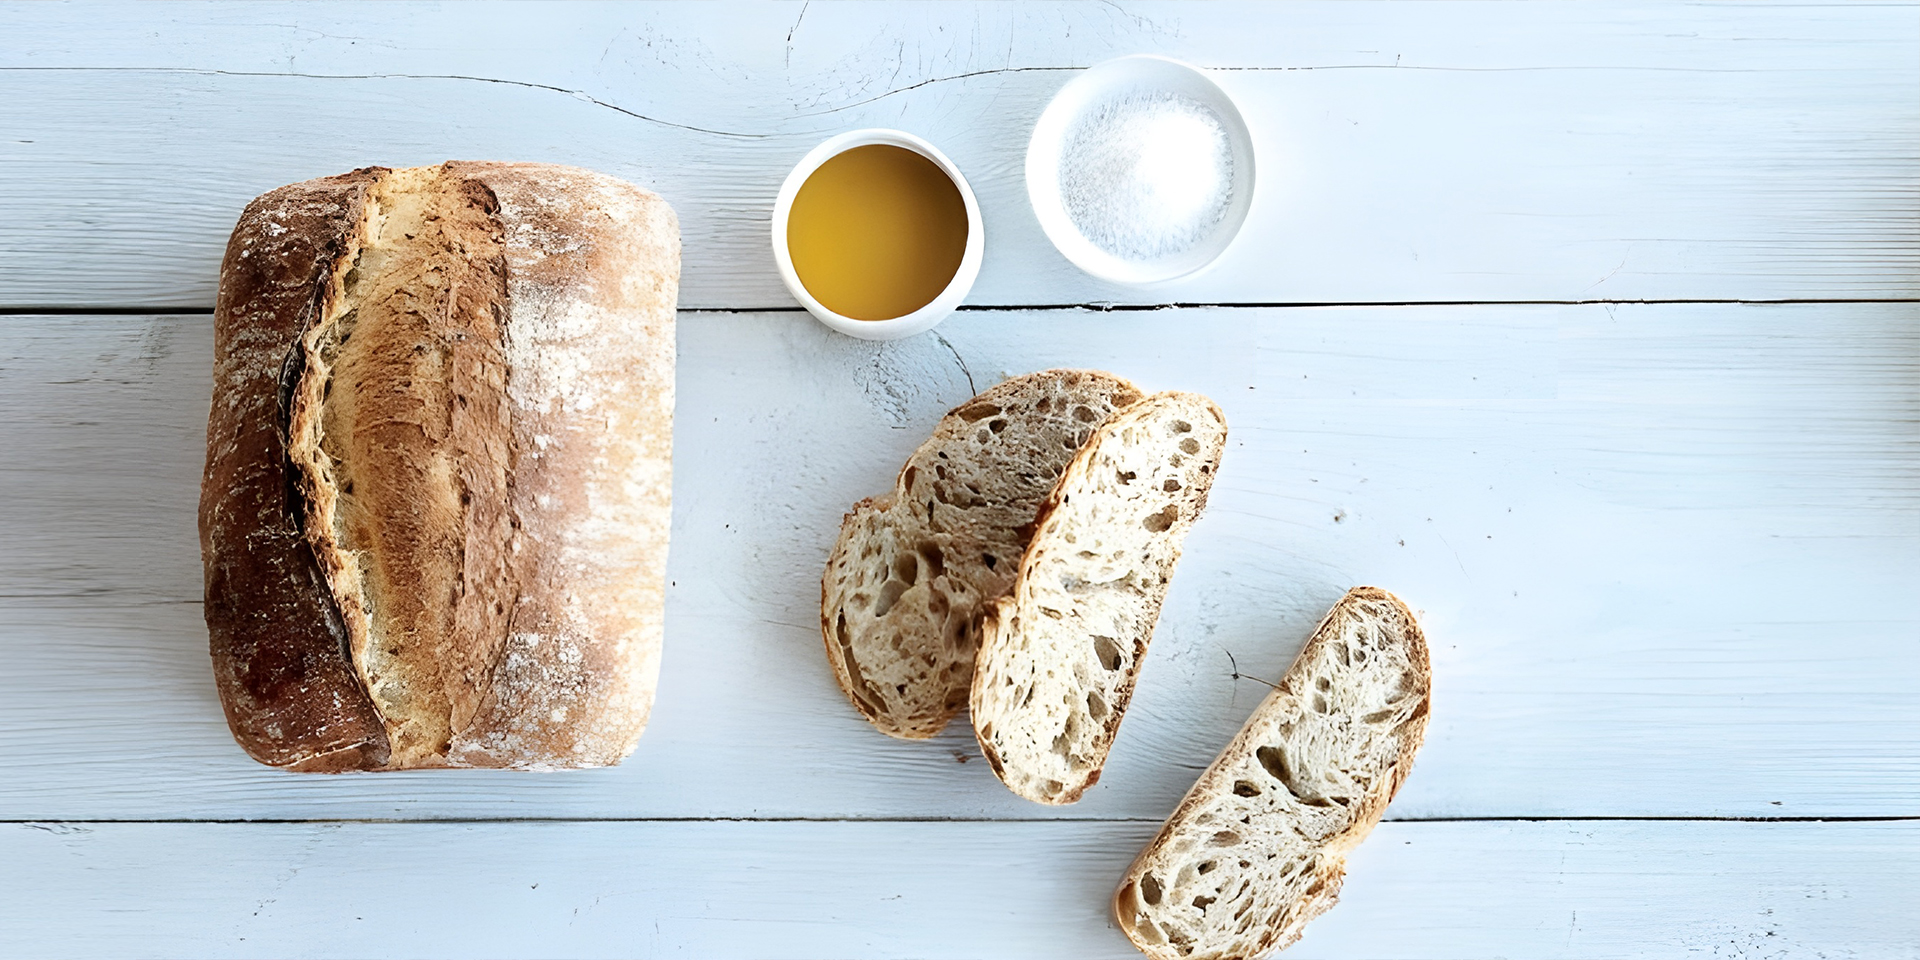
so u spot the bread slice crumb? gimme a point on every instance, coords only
(1060, 655)
(912, 571)
(1259, 845)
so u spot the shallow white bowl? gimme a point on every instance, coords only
(920, 320)
(1106, 82)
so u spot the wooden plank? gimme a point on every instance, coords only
(1408, 151)
(1665, 554)
(838, 889)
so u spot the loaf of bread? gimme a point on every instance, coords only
(905, 585)
(1060, 653)
(435, 510)
(1258, 846)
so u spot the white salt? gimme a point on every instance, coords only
(1147, 176)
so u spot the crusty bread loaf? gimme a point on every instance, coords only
(1259, 845)
(1060, 654)
(904, 588)
(436, 503)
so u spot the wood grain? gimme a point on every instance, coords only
(1663, 554)
(1461, 151)
(934, 890)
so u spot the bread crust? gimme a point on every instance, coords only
(1321, 888)
(553, 412)
(279, 643)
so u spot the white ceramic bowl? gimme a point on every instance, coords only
(1105, 83)
(920, 320)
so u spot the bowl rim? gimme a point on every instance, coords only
(1042, 158)
(937, 309)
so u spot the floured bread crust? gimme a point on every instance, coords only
(1258, 847)
(468, 371)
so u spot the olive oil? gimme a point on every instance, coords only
(877, 232)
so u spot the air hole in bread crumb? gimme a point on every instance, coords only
(1206, 867)
(1150, 889)
(1096, 705)
(1159, 522)
(997, 426)
(975, 412)
(1127, 476)
(889, 594)
(1274, 761)
(1181, 426)
(1084, 415)
(1171, 486)
(989, 560)
(1225, 838)
(1108, 652)
(1245, 788)
(1322, 683)
(1376, 716)
(1203, 902)
(1052, 787)
(1319, 704)
(907, 568)
(1189, 446)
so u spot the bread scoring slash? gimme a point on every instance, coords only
(436, 503)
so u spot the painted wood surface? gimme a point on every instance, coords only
(934, 890)
(1407, 151)
(1666, 551)
(1665, 554)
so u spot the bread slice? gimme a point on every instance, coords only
(1059, 656)
(1258, 846)
(901, 598)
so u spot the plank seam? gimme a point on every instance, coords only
(1091, 306)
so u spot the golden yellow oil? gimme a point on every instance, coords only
(877, 232)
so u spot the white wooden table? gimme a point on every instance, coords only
(1593, 330)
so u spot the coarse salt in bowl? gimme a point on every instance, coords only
(1141, 170)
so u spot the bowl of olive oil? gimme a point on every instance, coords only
(877, 234)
